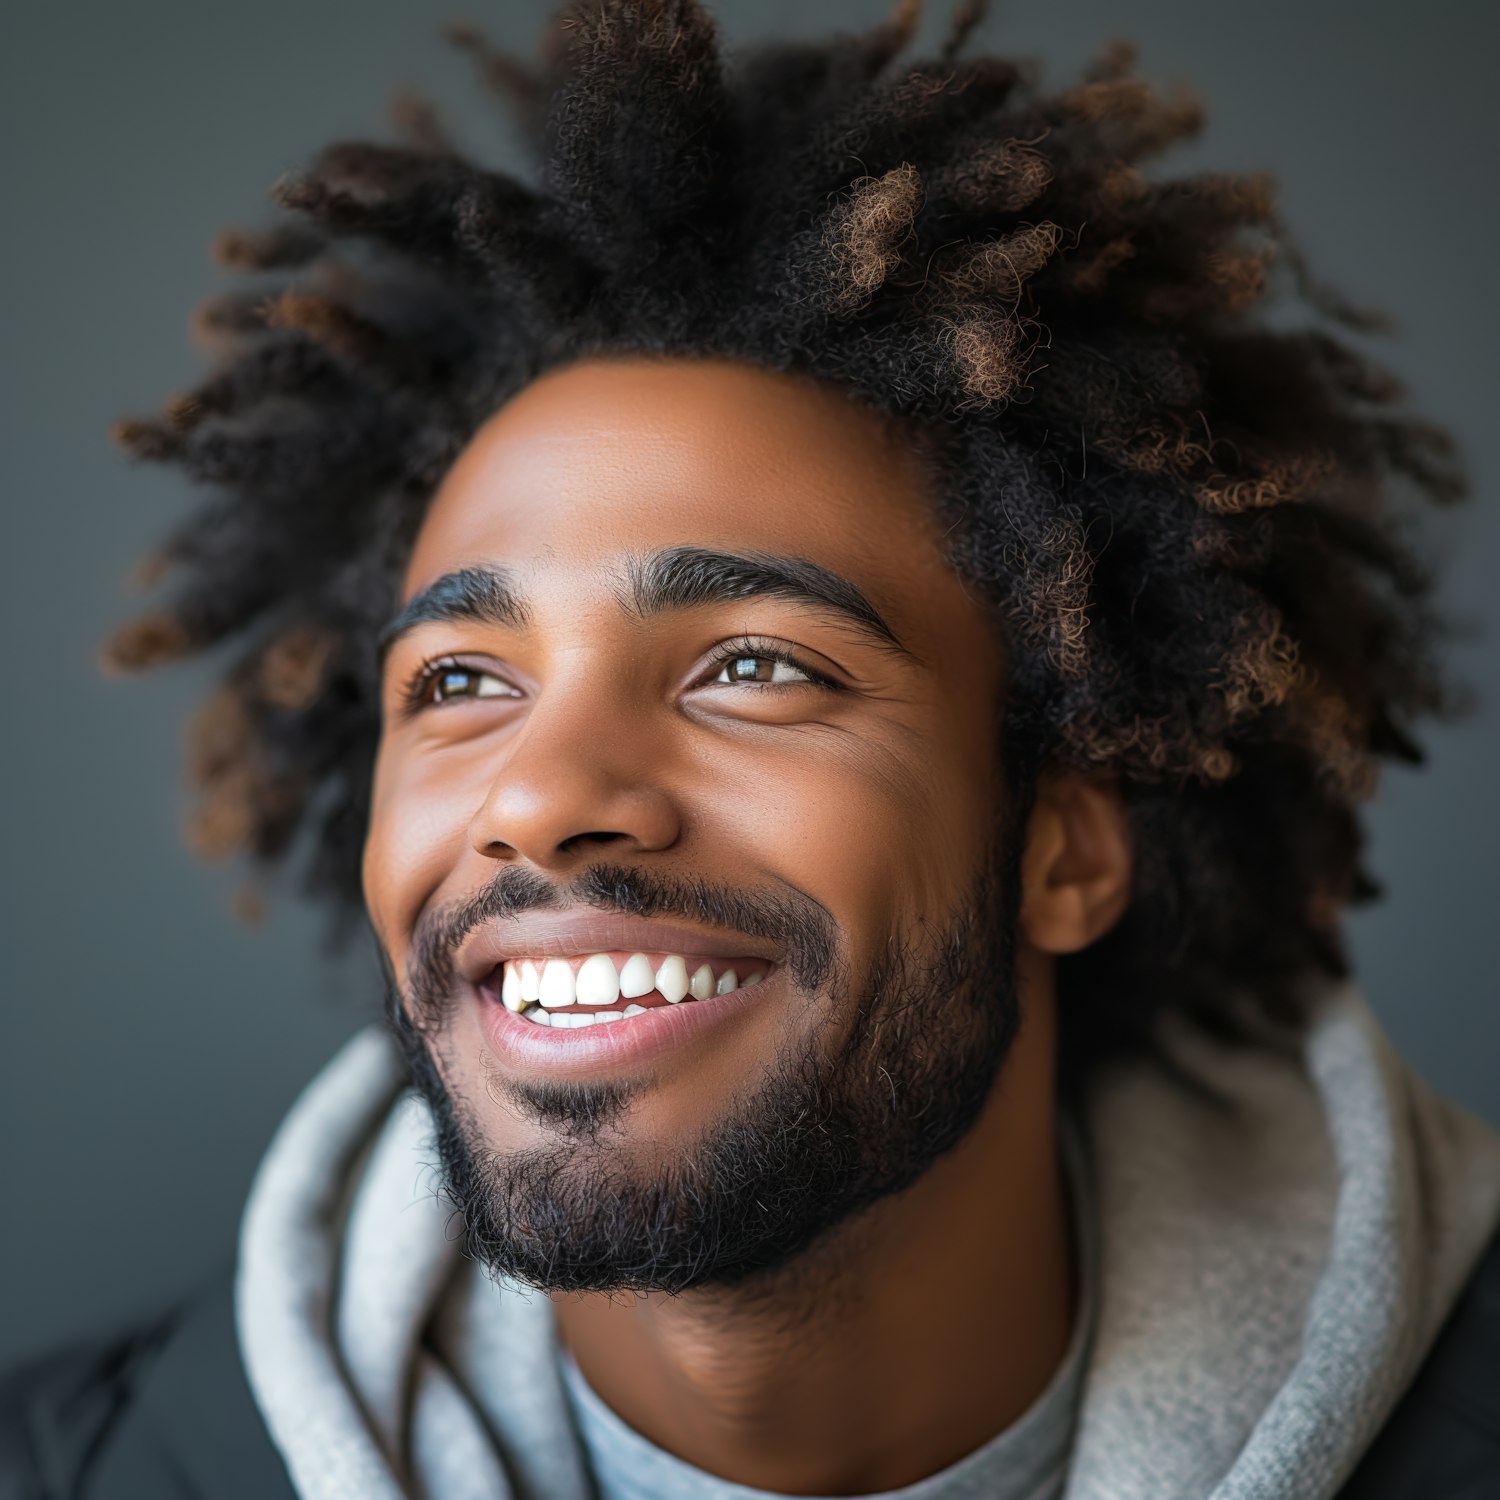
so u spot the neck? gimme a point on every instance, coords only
(901, 1343)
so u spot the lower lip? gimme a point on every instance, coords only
(655, 1032)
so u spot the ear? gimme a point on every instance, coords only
(1078, 861)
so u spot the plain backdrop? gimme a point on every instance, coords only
(151, 1041)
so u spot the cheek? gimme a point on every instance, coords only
(420, 810)
(883, 828)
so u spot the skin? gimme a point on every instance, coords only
(912, 1335)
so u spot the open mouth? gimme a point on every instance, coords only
(592, 989)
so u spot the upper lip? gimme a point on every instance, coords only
(565, 934)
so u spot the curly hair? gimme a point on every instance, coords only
(1184, 493)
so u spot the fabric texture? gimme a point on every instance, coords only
(1275, 1259)
(164, 1410)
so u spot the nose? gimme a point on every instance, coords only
(577, 779)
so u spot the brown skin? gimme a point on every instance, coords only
(953, 1300)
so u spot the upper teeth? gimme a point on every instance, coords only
(556, 983)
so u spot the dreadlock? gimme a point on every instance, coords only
(1183, 517)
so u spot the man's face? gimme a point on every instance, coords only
(684, 691)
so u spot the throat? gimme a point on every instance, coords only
(879, 1358)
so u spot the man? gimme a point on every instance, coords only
(840, 652)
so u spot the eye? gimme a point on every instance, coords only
(443, 681)
(765, 663)
(762, 668)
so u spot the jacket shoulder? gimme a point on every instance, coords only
(161, 1410)
(57, 1410)
(1442, 1442)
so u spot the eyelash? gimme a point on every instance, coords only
(415, 694)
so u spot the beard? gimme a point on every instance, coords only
(826, 1134)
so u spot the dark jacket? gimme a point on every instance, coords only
(164, 1413)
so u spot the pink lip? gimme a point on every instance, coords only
(564, 934)
(530, 1049)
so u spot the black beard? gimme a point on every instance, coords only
(824, 1136)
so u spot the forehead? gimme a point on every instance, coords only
(610, 458)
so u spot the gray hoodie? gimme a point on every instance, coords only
(1271, 1270)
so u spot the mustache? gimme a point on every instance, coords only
(798, 923)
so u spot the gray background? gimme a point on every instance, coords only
(152, 1041)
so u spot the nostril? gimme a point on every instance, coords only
(579, 840)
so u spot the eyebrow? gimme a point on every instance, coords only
(687, 577)
(675, 578)
(486, 595)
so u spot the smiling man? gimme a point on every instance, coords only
(839, 652)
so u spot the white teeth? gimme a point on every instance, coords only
(510, 988)
(540, 1018)
(635, 1010)
(598, 984)
(636, 978)
(672, 978)
(557, 984)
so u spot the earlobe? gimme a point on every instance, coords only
(1077, 867)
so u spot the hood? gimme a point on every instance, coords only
(1276, 1260)
(1281, 1233)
